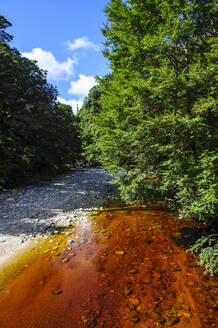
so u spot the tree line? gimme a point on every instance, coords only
(154, 116)
(37, 134)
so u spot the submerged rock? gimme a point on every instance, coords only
(134, 301)
(127, 291)
(120, 252)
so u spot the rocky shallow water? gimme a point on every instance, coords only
(33, 211)
(116, 267)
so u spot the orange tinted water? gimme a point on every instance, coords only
(120, 268)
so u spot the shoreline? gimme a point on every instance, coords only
(30, 212)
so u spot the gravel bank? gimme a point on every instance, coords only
(33, 211)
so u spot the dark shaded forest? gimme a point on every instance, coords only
(38, 135)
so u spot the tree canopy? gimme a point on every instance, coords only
(37, 132)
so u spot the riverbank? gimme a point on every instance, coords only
(30, 212)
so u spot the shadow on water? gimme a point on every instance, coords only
(187, 236)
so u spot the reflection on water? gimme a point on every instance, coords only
(119, 268)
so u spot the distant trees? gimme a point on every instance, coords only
(36, 132)
(88, 116)
(156, 114)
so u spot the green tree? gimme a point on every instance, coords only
(36, 132)
(158, 108)
(87, 116)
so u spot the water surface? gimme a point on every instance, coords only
(121, 267)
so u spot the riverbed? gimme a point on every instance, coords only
(115, 267)
(33, 211)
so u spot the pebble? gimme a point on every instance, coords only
(147, 280)
(184, 314)
(43, 208)
(120, 252)
(89, 323)
(127, 291)
(175, 234)
(135, 318)
(57, 291)
(173, 321)
(155, 315)
(156, 275)
(134, 301)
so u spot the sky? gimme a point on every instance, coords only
(64, 37)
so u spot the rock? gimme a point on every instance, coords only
(155, 315)
(132, 271)
(132, 278)
(173, 321)
(190, 284)
(100, 269)
(107, 236)
(131, 307)
(134, 301)
(57, 291)
(120, 252)
(156, 275)
(164, 258)
(184, 314)
(108, 216)
(147, 280)
(135, 318)
(127, 291)
(88, 323)
(139, 308)
(175, 234)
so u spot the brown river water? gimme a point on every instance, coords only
(119, 268)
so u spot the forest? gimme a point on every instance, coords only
(38, 135)
(153, 118)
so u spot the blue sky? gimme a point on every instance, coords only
(64, 37)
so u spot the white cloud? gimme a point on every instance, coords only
(82, 85)
(47, 61)
(75, 104)
(82, 43)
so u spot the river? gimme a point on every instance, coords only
(119, 267)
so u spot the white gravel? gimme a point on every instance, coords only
(33, 211)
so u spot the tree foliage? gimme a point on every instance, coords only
(156, 114)
(89, 134)
(36, 132)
